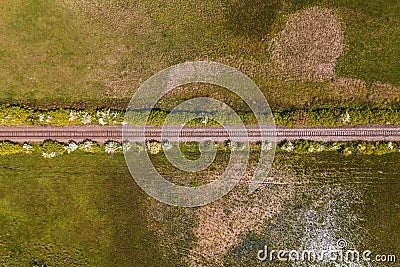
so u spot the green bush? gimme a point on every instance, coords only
(346, 148)
(57, 117)
(9, 148)
(91, 147)
(14, 115)
(51, 149)
(325, 117)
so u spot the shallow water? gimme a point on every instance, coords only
(321, 202)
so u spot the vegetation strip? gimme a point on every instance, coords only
(16, 115)
(50, 149)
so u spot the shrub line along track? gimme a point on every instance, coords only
(102, 134)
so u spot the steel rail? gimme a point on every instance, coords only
(105, 133)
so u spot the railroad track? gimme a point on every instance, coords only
(105, 133)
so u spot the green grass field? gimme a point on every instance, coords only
(372, 32)
(86, 210)
(75, 53)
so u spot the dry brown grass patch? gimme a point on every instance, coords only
(309, 45)
(222, 225)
